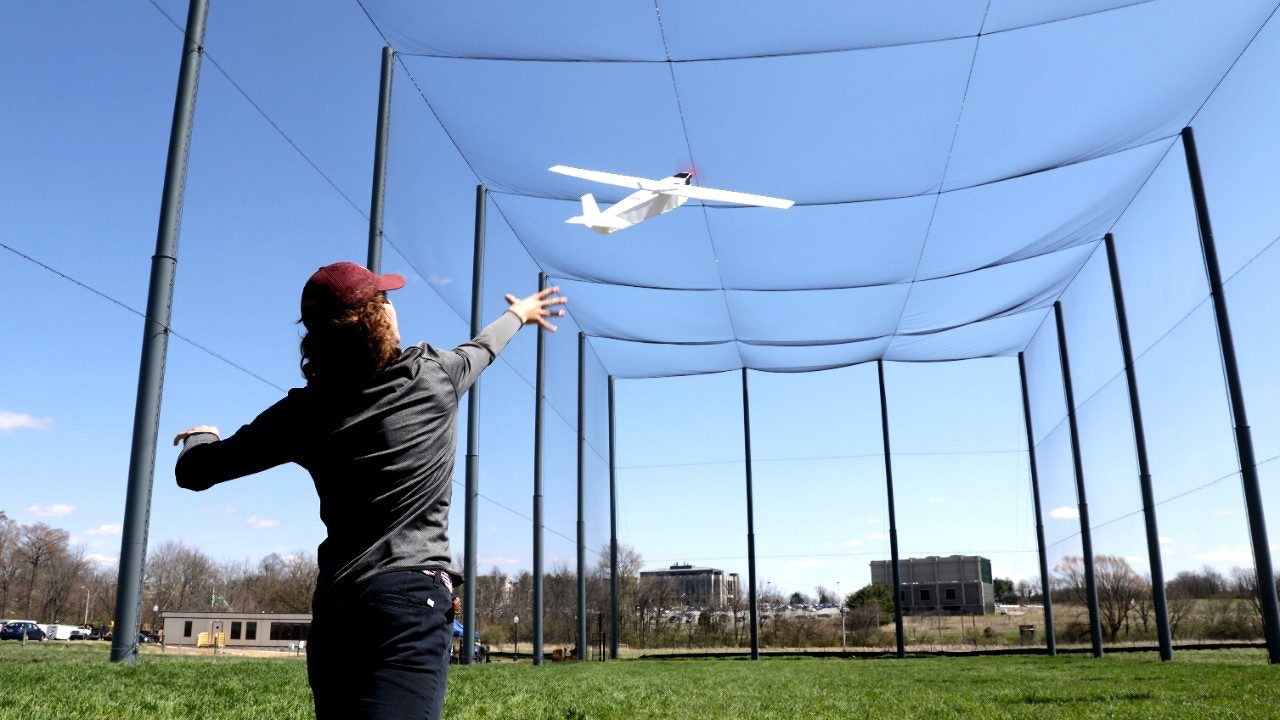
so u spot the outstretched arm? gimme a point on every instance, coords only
(207, 460)
(466, 361)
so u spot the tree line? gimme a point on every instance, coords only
(46, 578)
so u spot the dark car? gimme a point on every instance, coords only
(145, 637)
(14, 631)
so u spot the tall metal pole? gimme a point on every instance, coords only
(471, 548)
(613, 534)
(1240, 419)
(582, 486)
(155, 345)
(1144, 468)
(374, 262)
(893, 518)
(1086, 534)
(1051, 641)
(539, 401)
(753, 604)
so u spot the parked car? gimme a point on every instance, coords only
(15, 630)
(147, 637)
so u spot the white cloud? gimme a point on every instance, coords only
(806, 563)
(874, 521)
(1065, 512)
(1239, 554)
(877, 536)
(1225, 513)
(10, 421)
(99, 559)
(1136, 560)
(843, 543)
(54, 510)
(108, 529)
(440, 281)
(936, 499)
(258, 523)
(1166, 540)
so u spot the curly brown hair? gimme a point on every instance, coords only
(349, 347)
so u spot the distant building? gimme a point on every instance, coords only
(700, 586)
(237, 629)
(958, 584)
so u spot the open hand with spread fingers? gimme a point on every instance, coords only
(538, 307)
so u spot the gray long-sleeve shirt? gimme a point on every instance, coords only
(381, 457)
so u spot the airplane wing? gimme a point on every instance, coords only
(727, 196)
(626, 181)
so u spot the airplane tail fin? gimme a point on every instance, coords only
(594, 219)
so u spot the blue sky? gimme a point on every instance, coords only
(89, 96)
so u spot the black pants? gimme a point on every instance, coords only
(380, 650)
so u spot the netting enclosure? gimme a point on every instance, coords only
(956, 167)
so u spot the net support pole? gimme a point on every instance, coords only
(155, 346)
(1239, 418)
(582, 487)
(753, 605)
(896, 573)
(1158, 598)
(540, 386)
(374, 262)
(470, 550)
(1051, 640)
(613, 534)
(1077, 464)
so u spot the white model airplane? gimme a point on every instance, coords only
(651, 198)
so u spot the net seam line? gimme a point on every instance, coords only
(910, 196)
(766, 56)
(706, 221)
(833, 288)
(942, 183)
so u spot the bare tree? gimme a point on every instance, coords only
(1028, 589)
(180, 577)
(1068, 580)
(38, 546)
(10, 566)
(1119, 590)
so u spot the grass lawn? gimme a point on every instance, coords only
(61, 680)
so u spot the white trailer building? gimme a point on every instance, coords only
(264, 630)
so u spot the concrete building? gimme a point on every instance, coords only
(699, 586)
(957, 584)
(239, 629)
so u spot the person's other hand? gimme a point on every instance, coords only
(536, 307)
(195, 431)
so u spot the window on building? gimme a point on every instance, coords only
(235, 629)
(290, 631)
(251, 631)
(951, 594)
(186, 629)
(924, 595)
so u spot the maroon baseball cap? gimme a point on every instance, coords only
(344, 285)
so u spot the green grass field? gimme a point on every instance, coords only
(60, 680)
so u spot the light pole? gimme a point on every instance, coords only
(86, 605)
(840, 599)
(515, 629)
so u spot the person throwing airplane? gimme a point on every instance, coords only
(376, 427)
